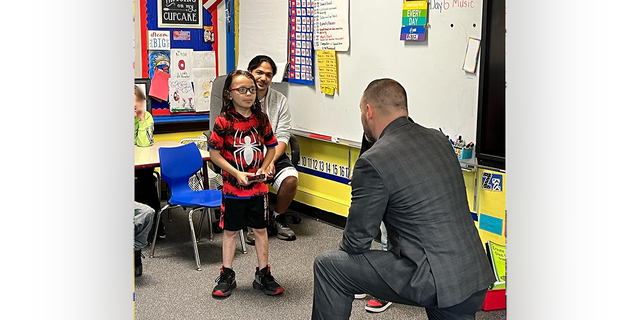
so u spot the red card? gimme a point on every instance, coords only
(160, 86)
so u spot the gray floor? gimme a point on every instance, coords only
(171, 288)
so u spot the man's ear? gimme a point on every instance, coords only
(369, 111)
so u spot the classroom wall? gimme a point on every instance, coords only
(331, 193)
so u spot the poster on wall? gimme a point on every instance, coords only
(182, 60)
(204, 59)
(181, 35)
(301, 42)
(181, 95)
(159, 60)
(331, 25)
(208, 34)
(158, 40)
(180, 14)
(203, 93)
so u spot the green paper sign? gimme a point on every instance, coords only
(414, 13)
(498, 261)
(418, 21)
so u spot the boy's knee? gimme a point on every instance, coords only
(260, 232)
(229, 233)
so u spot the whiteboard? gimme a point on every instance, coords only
(440, 93)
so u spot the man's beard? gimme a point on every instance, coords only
(367, 133)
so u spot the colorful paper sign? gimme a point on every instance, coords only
(412, 33)
(491, 181)
(181, 35)
(300, 42)
(159, 60)
(414, 20)
(490, 224)
(181, 95)
(209, 35)
(182, 63)
(498, 262)
(328, 71)
(203, 93)
(331, 25)
(158, 40)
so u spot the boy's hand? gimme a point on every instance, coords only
(242, 178)
(350, 177)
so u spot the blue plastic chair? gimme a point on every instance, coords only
(177, 165)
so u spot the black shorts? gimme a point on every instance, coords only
(284, 169)
(238, 213)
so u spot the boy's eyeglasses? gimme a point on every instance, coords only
(243, 90)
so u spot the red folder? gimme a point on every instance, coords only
(160, 86)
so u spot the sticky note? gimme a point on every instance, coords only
(490, 224)
(471, 55)
(327, 68)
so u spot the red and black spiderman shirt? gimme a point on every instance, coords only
(240, 143)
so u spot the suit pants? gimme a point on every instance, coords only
(339, 275)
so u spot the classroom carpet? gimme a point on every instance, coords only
(171, 288)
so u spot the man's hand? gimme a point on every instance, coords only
(271, 170)
(350, 177)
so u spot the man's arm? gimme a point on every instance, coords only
(283, 129)
(369, 197)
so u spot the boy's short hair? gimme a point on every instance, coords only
(138, 93)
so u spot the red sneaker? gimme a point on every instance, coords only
(377, 305)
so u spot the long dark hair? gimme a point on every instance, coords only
(227, 104)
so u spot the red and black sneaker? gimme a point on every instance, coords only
(377, 305)
(264, 281)
(226, 282)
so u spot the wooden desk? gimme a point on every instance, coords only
(148, 157)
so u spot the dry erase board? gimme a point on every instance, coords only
(440, 93)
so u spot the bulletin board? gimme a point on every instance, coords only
(188, 38)
(440, 93)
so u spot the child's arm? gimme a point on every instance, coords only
(217, 158)
(268, 158)
(144, 134)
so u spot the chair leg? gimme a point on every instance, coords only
(193, 239)
(210, 224)
(155, 234)
(242, 243)
(202, 215)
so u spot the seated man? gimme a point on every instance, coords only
(410, 179)
(142, 223)
(283, 176)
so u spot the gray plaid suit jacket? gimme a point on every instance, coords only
(411, 180)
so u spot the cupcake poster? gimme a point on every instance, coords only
(181, 60)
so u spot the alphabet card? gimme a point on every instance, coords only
(182, 60)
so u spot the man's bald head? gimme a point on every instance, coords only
(386, 95)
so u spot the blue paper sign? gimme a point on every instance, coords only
(491, 181)
(491, 224)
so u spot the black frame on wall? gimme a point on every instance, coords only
(491, 134)
(147, 86)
